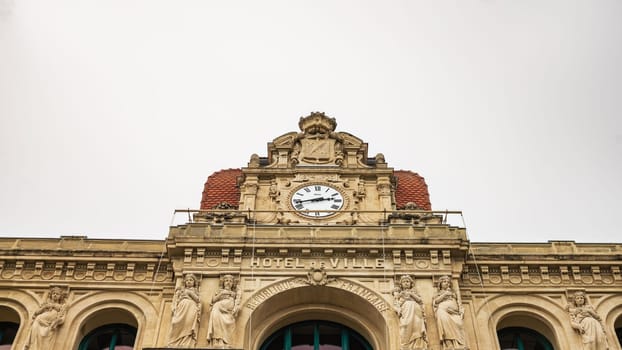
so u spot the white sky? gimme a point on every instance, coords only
(113, 113)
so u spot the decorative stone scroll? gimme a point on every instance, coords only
(46, 320)
(266, 293)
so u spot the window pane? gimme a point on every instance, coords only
(311, 335)
(356, 344)
(302, 337)
(125, 338)
(101, 338)
(518, 337)
(276, 344)
(102, 341)
(7, 332)
(330, 337)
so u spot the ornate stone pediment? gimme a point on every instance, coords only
(317, 144)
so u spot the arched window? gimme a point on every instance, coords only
(8, 330)
(315, 335)
(110, 337)
(519, 338)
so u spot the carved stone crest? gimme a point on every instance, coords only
(317, 151)
(318, 143)
(318, 277)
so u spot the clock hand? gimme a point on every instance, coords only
(318, 199)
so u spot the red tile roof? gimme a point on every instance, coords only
(411, 187)
(221, 186)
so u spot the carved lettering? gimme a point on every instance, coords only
(298, 264)
(267, 293)
(335, 263)
(361, 291)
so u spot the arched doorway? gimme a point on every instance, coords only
(315, 335)
(110, 337)
(322, 305)
(520, 338)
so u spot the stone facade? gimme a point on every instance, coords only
(270, 260)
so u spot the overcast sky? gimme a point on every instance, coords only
(114, 113)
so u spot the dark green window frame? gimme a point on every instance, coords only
(286, 334)
(115, 330)
(518, 333)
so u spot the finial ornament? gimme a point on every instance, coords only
(317, 123)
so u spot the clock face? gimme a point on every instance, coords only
(313, 200)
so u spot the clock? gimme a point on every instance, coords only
(316, 200)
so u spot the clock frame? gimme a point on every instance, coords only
(317, 200)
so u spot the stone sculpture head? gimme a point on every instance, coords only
(578, 299)
(56, 295)
(406, 282)
(190, 280)
(227, 282)
(444, 283)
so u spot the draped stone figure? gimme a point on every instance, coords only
(46, 320)
(449, 316)
(186, 315)
(225, 307)
(409, 308)
(585, 320)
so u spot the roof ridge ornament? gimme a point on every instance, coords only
(317, 123)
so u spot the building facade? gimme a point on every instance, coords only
(317, 246)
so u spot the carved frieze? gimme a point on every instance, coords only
(84, 271)
(541, 274)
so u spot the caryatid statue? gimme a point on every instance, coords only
(585, 320)
(225, 306)
(46, 320)
(449, 316)
(409, 308)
